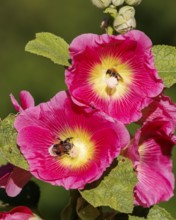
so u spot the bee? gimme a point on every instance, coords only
(113, 73)
(63, 147)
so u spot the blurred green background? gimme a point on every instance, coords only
(21, 19)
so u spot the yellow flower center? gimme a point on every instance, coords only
(111, 78)
(75, 148)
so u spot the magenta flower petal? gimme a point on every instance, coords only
(19, 213)
(66, 146)
(17, 180)
(113, 73)
(153, 186)
(5, 171)
(13, 179)
(26, 100)
(150, 152)
(161, 108)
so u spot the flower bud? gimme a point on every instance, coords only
(125, 20)
(117, 2)
(35, 217)
(133, 2)
(101, 3)
(19, 212)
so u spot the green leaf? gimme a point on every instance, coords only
(8, 147)
(115, 189)
(2, 161)
(165, 62)
(155, 213)
(137, 218)
(50, 46)
(159, 213)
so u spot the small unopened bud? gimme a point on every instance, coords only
(125, 20)
(104, 24)
(117, 2)
(35, 217)
(133, 2)
(101, 3)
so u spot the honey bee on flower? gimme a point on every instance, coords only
(113, 73)
(67, 146)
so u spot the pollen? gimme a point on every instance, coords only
(78, 149)
(83, 149)
(73, 153)
(111, 78)
(111, 82)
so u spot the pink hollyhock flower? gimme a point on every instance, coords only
(13, 178)
(66, 146)
(113, 73)
(160, 108)
(19, 213)
(150, 152)
(26, 100)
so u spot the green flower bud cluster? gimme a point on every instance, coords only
(101, 3)
(106, 3)
(117, 2)
(125, 19)
(121, 14)
(133, 2)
